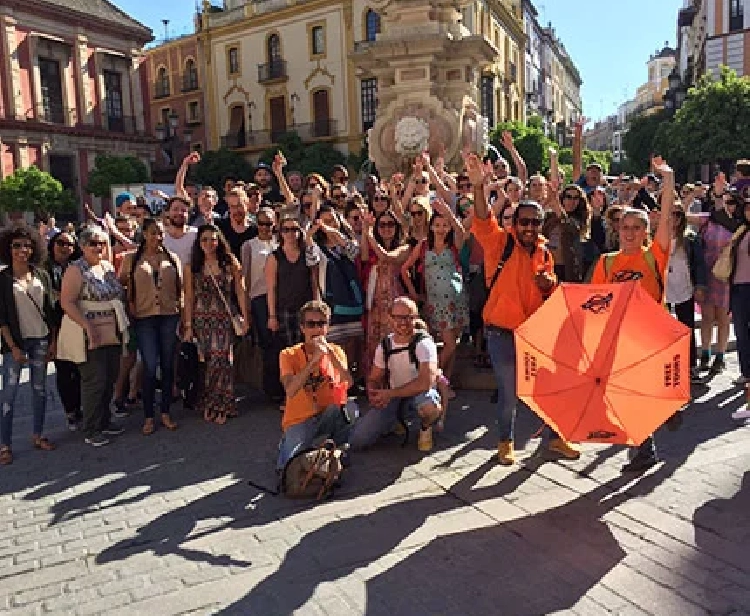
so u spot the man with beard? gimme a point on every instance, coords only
(264, 179)
(179, 237)
(204, 201)
(237, 228)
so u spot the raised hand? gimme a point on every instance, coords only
(192, 158)
(720, 183)
(660, 165)
(508, 140)
(474, 169)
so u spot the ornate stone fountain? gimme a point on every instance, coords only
(427, 65)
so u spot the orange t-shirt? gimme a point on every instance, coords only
(515, 296)
(322, 388)
(635, 267)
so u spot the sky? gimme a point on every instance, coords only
(610, 46)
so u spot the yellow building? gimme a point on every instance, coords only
(274, 66)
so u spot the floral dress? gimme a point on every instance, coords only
(214, 333)
(715, 237)
(447, 305)
(386, 288)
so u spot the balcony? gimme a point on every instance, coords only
(264, 138)
(122, 124)
(360, 46)
(190, 81)
(56, 113)
(161, 89)
(512, 72)
(272, 71)
(315, 130)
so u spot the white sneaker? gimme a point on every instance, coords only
(741, 414)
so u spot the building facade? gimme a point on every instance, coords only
(70, 87)
(535, 99)
(175, 76)
(561, 87)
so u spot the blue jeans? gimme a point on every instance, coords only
(377, 422)
(331, 423)
(157, 340)
(10, 372)
(265, 339)
(740, 305)
(501, 346)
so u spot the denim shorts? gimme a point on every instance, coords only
(429, 397)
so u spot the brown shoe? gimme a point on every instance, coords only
(148, 427)
(43, 443)
(167, 422)
(505, 454)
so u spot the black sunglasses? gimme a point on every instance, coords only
(312, 323)
(262, 223)
(529, 222)
(21, 245)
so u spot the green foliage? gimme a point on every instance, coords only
(535, 121)
(713, 123)
(109, 170)
(530, 141)
(216, 164)
(603, 157)
(32, 190)
(318, 157)
(639, 142)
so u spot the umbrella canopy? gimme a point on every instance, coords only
(603, 363)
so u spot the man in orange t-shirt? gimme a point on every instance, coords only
(635, 261)
(316, 380)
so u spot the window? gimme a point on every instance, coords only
(372, 25)
(318, 36)
(162, 83)
(190, 78)
(193, 112)
(113, 100)
(369, 102)
(234, 60)
(488, 99)
(52, 109)
(273, 48)
(736, 15)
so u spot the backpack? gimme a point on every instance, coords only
(343, 292)
(388, 352)
(312, 472)
(190, 374)
(609, 260)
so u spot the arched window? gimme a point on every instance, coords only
(162, 82)
(190, 78)
(273, 48)
(372, 25)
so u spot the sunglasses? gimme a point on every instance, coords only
(22, 245)
(465, 185)
(422, 181)
(97, 243)
(570, 196)
(65, 244)
(387, 225)
(289, 229)
(507, 216)
(530, 222)
(209, 238)
(337, 196)
(417, 213)
(355, 218)
(380, 198)
(312, 323)
(265, 224)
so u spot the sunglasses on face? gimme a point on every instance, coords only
(507, 216)
(380, 198)
(209, 239)
(530, 222)
(423, 181)
(465, 185)
(570, 196)
(262, 223)
(337, 196)
(387, 224)
(617, 219)
(97, 243)
(355, 218)
(22, 246)
(64, 244)
(417, 213)
(289, 229)
(310, 324)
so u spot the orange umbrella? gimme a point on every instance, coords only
(603, 363)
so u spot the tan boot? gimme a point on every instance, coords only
(564, 448)
(505, 453)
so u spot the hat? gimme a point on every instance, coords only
(594, 166)
(260, 166)
(123, 197)
(652, 178)
(698, 184)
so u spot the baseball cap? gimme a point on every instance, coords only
(123, 197)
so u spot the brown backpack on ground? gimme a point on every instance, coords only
(312, 473)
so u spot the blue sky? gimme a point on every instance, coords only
(610, 46)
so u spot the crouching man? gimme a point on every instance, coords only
(403, 380)
(316, 378)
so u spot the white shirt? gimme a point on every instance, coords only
(402, 371)
(181, 246)
(30, 320)
(679, 285)
(258, 251)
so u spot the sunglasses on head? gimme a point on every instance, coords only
(529, 222)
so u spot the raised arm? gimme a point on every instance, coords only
(663, 232)
(278, 170)
(407, 265)
(179, 180)
(475, 171)
(459, 233)
(578, 149)
(521, 171)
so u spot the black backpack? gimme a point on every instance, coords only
(191, 373)
(388, 352)
(343, 293)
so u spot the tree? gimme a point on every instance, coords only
(110, 170)
(530, 141)
(217, 164)
(318, 157)
(713, 123)
(639, 142)
(32, 190)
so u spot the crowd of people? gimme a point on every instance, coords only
(353, 293)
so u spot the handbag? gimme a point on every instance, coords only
(722, 269)
(105, 326)
(238, 323)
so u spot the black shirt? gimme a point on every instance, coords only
(236, 239)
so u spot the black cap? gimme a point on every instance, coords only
(265, 166)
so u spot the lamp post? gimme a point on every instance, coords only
(168, 133)
(676, 94)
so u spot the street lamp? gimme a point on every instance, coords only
(167, 133)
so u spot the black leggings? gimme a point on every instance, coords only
(69, 386)
(685, 313)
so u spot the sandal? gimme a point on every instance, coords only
(43, 443)
(6, 456)
(167, 422)
(148, 427)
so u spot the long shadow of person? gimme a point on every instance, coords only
(568, 547)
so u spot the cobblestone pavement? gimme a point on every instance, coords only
(167, 524)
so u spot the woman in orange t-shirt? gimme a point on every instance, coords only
(316, 379)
